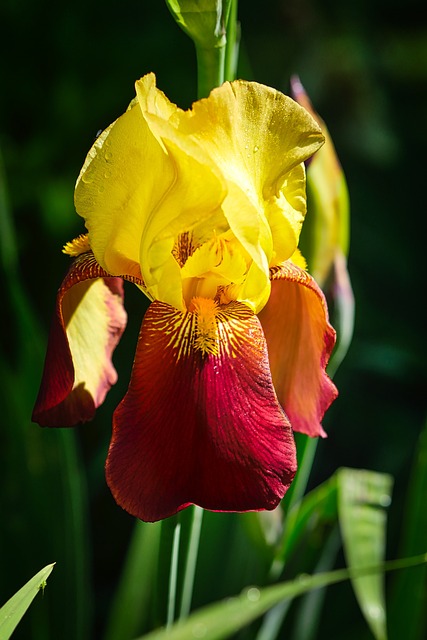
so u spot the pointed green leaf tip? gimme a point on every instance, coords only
(203, 20)
(14, 609)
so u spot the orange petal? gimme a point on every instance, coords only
(88, 323)
(300, 341)
(200, 423)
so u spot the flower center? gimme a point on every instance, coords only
(206, 338)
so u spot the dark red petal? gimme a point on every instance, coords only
(300, 341)
(87, 325)
(200, 427)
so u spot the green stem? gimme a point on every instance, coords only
(232, 46)
(304, 469)
(190, 566)
(173, 576)
(210, 69)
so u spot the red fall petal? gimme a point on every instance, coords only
(200, 422)
(300, 341)
(87, 325)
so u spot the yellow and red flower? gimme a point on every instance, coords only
(202, 211)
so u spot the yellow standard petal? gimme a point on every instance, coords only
(199, 203)
(258, 139)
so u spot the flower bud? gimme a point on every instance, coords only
(324, 239)
(326, 228)
(203, 20)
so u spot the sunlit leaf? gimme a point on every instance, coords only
(357, 498)
(12, 612)
(362, 498)
(222, 619)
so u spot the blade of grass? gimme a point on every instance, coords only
(12, 612)
(228, 616)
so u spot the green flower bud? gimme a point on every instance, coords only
(325, 235)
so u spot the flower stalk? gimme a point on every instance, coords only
(211, 24)
(190, 565)
(210, 68)
(173, 575)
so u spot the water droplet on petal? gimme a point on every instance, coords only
(256, 148)
(87, 178)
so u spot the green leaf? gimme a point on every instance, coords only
(12, 612)
(362, 498)
(357, 499)
(222, 619)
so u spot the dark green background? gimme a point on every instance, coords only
(67, 70)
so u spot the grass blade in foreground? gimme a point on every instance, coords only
(12, 612)
(222, 619)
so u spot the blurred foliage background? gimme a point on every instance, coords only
(67, 70)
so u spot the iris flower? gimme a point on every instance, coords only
(202, 211)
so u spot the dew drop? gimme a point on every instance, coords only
(87, 178)
(101, 188)
(385, 500)
(256, 148)
(303, 579)
(253, 594)
(108, 155)
(376, 612)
